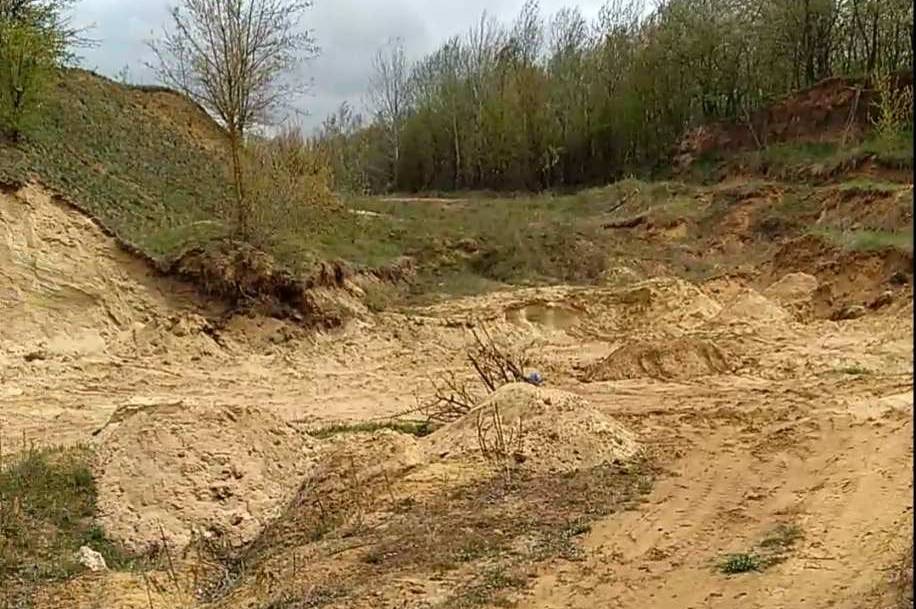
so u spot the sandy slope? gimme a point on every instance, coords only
(801, 424)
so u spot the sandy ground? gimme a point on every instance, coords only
(803, 424)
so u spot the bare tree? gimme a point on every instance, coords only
(388, 94)
(235, 58)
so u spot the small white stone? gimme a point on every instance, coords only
(91, 559)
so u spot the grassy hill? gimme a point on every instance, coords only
(146, 162)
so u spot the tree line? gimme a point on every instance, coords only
(536, 103)
(561, 101)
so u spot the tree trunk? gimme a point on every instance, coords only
(241, 208)
(457, 152)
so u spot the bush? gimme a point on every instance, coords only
(289, 189)
(894, 106)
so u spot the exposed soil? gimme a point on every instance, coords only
(823, 111)
(716, 418)
(845, 278)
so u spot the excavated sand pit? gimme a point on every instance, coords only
(666, 359)
(544, 430)
(172, 471)
(547, 315)
(88, 330)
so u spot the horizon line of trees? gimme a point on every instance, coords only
(545, 103)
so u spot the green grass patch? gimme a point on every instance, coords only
(468, 246)
(869, 186)
(894, 152)
(854, 370)
(807, 159)
(47, 507)
(413, 428)
(144, 169)
(740, 563)
(773, 549)
(869, 240)
(799, 153)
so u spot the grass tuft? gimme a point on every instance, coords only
(740, 563)
(773, 549)
(47, 507)
(869, 240)
(413, 428)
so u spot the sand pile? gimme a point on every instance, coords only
(214, 470)
(351, 471)
(545, 430)
(750, 307)
(792, 289)
(666, 358)
(363, 458)
(661, 303)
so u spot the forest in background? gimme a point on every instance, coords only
(557, 101)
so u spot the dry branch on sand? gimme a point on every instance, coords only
(495, 365)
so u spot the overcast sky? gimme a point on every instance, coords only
(348, 32)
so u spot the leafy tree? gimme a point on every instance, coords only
(35, 37)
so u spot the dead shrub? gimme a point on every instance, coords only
(499, 445)
(452, 399)
(495, 365)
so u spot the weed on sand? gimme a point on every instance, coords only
(773, 549)
(413, 428)
(483, 537)
(47, 507)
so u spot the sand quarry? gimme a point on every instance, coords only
(678, 424)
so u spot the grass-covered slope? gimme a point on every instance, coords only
(145, 162)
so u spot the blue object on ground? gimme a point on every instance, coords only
(535, 378)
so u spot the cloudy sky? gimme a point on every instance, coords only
(348, 31)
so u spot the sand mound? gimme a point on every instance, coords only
(559, 431)
(667, 302)
(751, 307)
(182, 335)
(668, 358)
(793, 288)
(352, 468)
(214, 470)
